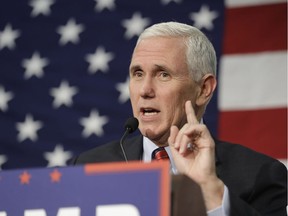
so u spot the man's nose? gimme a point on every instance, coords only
(147, 88)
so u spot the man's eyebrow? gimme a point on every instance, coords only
(156, 67)
(135, 67)
(160, 67)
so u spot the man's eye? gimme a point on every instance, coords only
(164, 75)
(138, 74)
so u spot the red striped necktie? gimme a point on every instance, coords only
(160, 154)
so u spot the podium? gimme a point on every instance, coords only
(186, 197)
(108, 189)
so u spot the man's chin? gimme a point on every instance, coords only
(158, 138)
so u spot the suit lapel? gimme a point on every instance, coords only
(134, 148)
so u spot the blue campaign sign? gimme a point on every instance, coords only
(134, 189)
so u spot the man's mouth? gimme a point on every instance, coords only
(149, 111)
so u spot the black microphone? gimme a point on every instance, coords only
(130, 126)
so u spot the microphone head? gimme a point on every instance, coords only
(131, 124)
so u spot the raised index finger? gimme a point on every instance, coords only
(190, 113)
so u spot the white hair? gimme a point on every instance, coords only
(200, 53)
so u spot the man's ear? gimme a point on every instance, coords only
(207, 86)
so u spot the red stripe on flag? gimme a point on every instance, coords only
(255, 29)
(262, 130)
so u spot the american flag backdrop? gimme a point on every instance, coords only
(64, 73)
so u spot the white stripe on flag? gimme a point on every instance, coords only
(253, 81)
(244, 3)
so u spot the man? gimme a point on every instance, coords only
(172, 79)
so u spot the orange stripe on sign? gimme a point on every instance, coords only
(262, 130)
(116, 167)
(122, 167)
(255, 29)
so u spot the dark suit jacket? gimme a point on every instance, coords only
(257, 184)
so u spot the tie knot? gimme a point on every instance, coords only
(160, 154)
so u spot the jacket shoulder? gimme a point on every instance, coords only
(109, 152)
(241, 168)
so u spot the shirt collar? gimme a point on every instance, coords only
(149, 147)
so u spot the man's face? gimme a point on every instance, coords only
(160, 85)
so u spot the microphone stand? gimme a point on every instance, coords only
(127, 131)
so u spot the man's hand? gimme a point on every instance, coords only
(193, 151)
